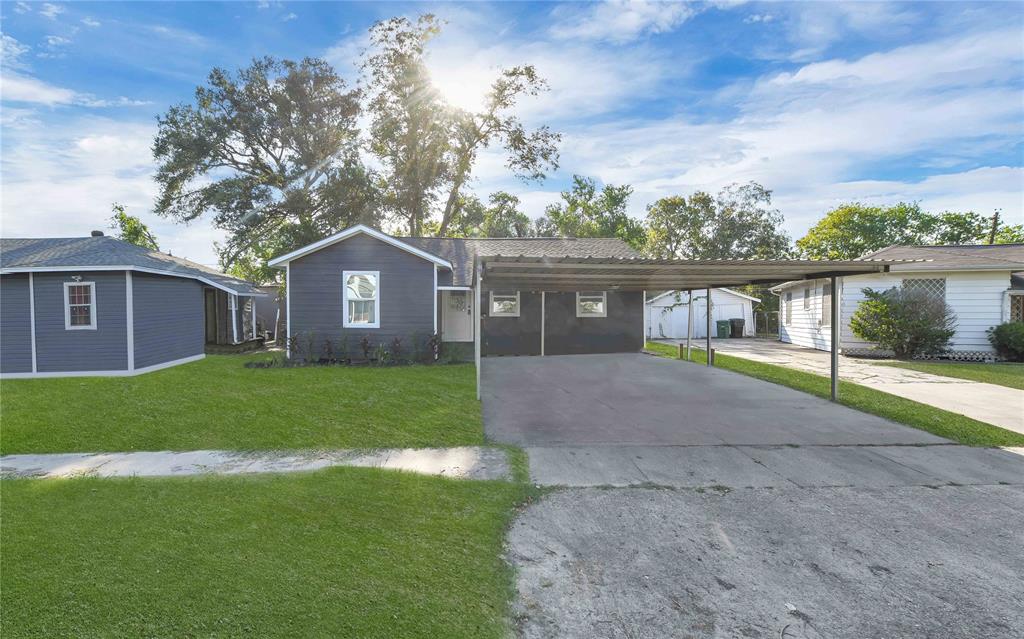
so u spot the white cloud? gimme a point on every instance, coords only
(51, 11)
(22, 7)
(17, 87)
(289, 17)
(90, 22)
(86, 164)
(11, 52)
(621, 20)
(758, 17)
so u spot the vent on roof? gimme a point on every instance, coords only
(97, 233)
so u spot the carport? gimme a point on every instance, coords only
(564, 274)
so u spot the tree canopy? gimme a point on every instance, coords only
(271, 151)
(738, 223)
(428, 147)
(502, 217)
(131, 229)
(586, 211)
(852, 230)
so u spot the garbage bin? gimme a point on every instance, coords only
(736, 324)
(723, 329)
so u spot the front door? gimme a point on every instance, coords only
(456, 316)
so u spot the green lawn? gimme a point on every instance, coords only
(934, 420)
(1004, 374)
(345, 552)
(218, 403)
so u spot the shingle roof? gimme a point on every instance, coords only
(80, 253)
(970, 256)
(461, 251)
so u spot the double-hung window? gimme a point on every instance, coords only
(504, 304)
(789, 308)
(591, 304)
(79, 306)
(807, 298)
(361, 295)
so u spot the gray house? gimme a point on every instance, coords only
(362, 282)
(100, 306)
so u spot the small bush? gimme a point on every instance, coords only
(1008, 340)
(906, 322)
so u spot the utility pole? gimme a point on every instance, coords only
(995, 227)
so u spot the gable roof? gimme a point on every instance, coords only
(724, 290)
(967, 257)
(358, 229)
(462, 251)
(27, 255)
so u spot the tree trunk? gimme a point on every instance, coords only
(449, 207)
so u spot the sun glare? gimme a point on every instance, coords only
(463, 86)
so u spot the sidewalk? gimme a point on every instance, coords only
(468, 462)
(989, 403)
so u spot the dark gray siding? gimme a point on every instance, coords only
(168, 318)
(565, 334)
(15, 327)
(406, 293)
(511, 335)
(620, 332)
(61, 350)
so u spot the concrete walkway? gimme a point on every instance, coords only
(989, 403)
(468, 462)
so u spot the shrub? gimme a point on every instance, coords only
(906, 322)
(1008, 340)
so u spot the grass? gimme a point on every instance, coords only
(345, 552)
(904, 411)
(1003, 374)
(217, 403)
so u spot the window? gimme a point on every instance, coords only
(1017, 308)
(789, 308)
(362, 299)
(826, 305)
(932, 287)
(504, 304)
(807, 298)
(79, 306)
(591, 304)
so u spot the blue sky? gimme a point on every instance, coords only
(821, 102)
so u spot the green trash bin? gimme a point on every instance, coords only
(724, 328)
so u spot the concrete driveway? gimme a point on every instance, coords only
(990, 403)
(700, 503)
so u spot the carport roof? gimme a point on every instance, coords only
(521, 272)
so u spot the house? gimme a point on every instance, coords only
(100, 306)
(981, 283)
(361, 283)
(667, 313)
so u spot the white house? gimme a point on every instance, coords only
(665, 315)
(983, 284)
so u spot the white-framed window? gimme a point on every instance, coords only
(504, 304)
(79, 306)
(826, 304)
(807, 298)
(789, 308)
(591, 304)
(361, 297)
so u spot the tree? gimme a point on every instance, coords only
(853, 230)
(131, 229)
(473, 218)
(587, 212)
(272, 151)
(738, 223)
(428, 147)
(907, 322)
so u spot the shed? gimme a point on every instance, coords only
(666, 316)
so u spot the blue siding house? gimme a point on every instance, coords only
(362, 283)
(100, 306)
